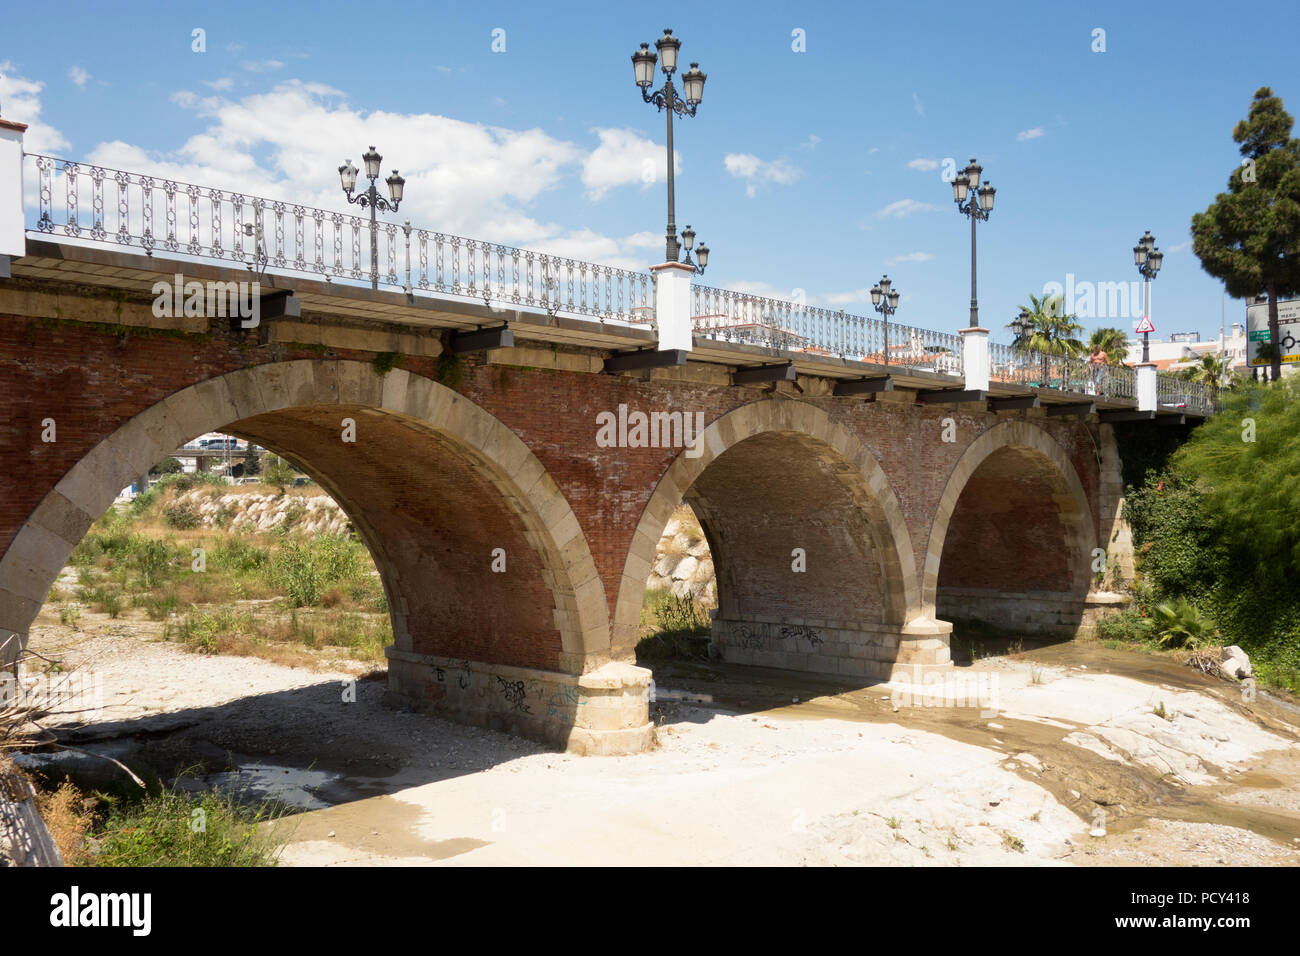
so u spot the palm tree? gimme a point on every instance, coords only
(1114, 342)
(1050, 331)
(1211, 371)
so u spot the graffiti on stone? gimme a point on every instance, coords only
(515, 694)
(799, 631)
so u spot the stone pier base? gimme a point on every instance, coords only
(1056, 614)
(845, 649)
(603, 712)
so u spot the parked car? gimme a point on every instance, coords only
(247, 481)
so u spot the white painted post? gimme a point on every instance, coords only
(673, 304)
(13, 231)
(975, 358)
(1146, 387)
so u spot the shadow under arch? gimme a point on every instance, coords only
(990, 533)
(297, 407)
(794, 455)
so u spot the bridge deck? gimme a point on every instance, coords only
(85, 265)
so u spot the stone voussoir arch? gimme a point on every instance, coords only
(1076, 511)
(41, 548)
(864, 472)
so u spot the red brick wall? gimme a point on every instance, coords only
(1006, 531)
(90, 385)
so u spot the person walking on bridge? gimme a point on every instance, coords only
(1097, 360)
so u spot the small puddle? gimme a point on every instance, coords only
(290, 786)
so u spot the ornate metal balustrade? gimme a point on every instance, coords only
(85, 203)
(90, 203)
(1177, 393)
(730, 316)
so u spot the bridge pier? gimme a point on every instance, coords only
(853, 650)
(603, 712)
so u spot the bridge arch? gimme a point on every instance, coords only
(762, 480)
(979, 509)
(445, 446)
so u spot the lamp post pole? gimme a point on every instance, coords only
(371, 199)
(885, 301)
(1148, 259)
(978, 207)
(670, 101)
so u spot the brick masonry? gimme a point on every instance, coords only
(887, 513)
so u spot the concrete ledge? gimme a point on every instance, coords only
(858, 650)
(603, 712)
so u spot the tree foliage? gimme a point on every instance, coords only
(1114, 342)
(1252, 487)
(1250, 236)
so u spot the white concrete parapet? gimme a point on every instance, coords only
(1147, 396)
(673, 304)
(13, 231)
(975, 358)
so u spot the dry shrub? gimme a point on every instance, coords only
(68, 817)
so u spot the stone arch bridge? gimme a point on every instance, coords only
(847, 530)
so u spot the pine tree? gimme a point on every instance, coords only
(1250, 236)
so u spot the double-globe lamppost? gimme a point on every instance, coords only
(885, 301)
(976, 202)
(371, 199)
(1148, 259)
(667, 99)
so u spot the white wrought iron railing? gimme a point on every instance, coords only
(730, 316)
(84, 202)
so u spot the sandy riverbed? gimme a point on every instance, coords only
(840, 778)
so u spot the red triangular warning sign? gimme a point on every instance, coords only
(1145, 325)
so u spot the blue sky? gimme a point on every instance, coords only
(814, 170)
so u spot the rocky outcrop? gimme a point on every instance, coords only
(683, 564)
(238, 511)
(1235, 663)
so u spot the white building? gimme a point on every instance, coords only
(1184, 349)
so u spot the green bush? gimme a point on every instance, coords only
(174, 828)
(182, 515)
(307, 569)
(1217, 533)
(238, 555)
(1180, 624)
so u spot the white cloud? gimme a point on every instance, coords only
(220, 85)
(262, 66)
(811, 142)
(465, 178)
(623, 157)
(766, 290)
(78, 76)
(925, 165)
(1034, 133)
(847, 298)
(918, 105)
(910, 257)
(21, 100)
(904, 208)
(755, 171)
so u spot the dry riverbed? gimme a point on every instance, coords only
(743, 773)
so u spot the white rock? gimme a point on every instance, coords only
(685, 569)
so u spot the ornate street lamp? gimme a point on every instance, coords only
(667, 99)
(1021, 326)
(885, 301)
(372, 200)
(701, 254)
(1147, 257)
(977, 207)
